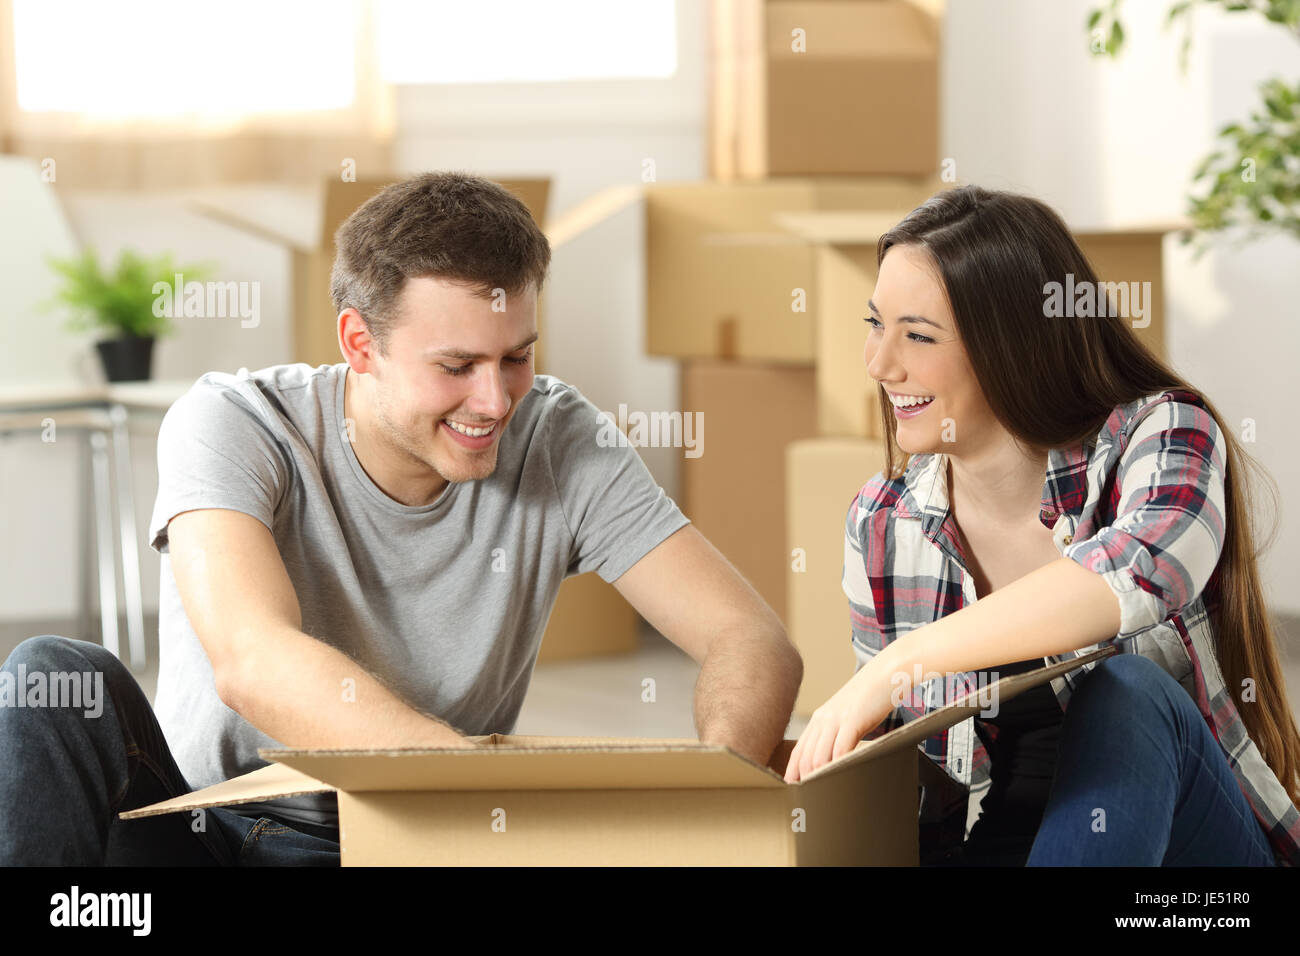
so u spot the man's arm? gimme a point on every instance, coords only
(241, 604)
(749, 670)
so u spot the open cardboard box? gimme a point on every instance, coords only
(520, 800)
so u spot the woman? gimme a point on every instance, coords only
(1066, 490)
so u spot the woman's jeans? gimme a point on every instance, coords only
(66, 772)
(1140, 781)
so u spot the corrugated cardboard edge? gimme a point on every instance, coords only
(915, 731)
(266, 783)
(547, 764)
(280, 780)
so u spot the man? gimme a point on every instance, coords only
(366, 554)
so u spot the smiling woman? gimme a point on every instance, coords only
(1022, 426)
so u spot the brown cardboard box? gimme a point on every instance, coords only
(590, 618)
(735, 493)
(822, 477)
(845, 263)
(722, 275)
(824, 88)
(555, 801)
(311, 244)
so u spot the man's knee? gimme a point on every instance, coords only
(50, 652)
(52, 674)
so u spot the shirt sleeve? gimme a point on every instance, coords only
(865, 632)
(615, 510)
(1168, 533)
(215, 451)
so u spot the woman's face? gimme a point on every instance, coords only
(912, 349)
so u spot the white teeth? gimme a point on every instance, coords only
(909, 402)
(471, 432)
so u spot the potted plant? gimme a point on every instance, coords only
(123, 306)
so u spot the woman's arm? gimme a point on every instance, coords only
(1059, 607)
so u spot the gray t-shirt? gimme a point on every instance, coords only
(446, 603)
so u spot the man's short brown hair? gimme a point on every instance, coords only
(445, 225)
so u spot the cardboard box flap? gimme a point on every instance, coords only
(913, 732)
(624, 765)
(267, 783)
(591, 211)
(1135, 229)
(840, 226)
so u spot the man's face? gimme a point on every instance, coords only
(451, 358)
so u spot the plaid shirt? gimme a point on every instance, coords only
(1142, 504)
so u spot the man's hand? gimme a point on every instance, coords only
(838, 725)
(749, 670)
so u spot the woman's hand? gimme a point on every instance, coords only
(838, 725)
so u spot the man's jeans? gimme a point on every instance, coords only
(1135, 756)
(65, 776)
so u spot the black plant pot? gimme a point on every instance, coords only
(126, 359)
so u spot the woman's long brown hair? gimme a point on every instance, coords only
(1053, 382)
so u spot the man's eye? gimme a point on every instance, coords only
(464, 369)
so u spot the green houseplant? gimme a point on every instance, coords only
(122, 305)
(1250, 183)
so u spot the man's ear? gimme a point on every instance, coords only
(359, 347)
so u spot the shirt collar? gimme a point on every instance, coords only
(925, 486)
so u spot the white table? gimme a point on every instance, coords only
(100, 414)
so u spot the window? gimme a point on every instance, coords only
(510, 41)
(151, 58)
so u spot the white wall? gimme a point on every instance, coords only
(1114, 142)
(1025, 107)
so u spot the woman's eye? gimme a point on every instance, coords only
(914, 336)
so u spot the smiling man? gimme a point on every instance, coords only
(366, 554)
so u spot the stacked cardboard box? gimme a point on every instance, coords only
(816, 107)
(849, 87)
(731, 294)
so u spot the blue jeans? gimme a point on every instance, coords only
(67, 771)
(1140, 781)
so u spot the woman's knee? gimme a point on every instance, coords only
(1129, 682)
